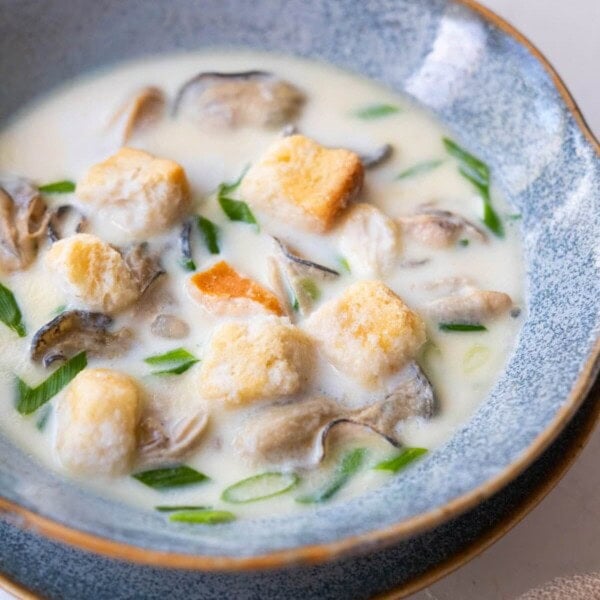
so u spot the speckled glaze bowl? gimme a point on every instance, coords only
(483, 80)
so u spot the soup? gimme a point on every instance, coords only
(237, 284)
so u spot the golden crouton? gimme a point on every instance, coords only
(369, 240)
(136, 192)
(92, 272)
(303, 183)
(367, 332)
(260, 359)
(224, 291)
(97, 421)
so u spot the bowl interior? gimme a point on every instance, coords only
(481, 83)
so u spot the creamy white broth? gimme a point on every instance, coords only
(61, 136)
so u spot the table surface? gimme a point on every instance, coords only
(561, 537)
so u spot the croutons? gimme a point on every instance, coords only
(369, 240)
(92, 272)
(303, 183)
(259, 359)
(224, 291)
(136, 192)
(367, 332)
(97, 421)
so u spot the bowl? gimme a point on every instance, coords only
(479, 77)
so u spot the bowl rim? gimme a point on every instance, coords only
(318, 553)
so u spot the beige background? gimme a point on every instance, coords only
(561, 537)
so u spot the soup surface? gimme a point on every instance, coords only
(293, 271)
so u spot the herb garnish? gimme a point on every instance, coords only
(259, 487)
(463, 243)
(478, 173)
(180, 356)
(42, 421)
(401, 461)
(58, 187)
(170, 477)
(343, 262)
(462, 327)
(210, 232)
(376, 111)
(30, 399)
(310, 288)
(10, 314)
(350, 465)
(420, 169)
(236, 210)
(164, 508)
(202, 517)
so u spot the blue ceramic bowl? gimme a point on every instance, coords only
(480, 78)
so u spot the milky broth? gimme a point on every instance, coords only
(61, 136)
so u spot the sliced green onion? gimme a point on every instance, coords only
(462, 327)
(170, 477)
(478, 173)
(401, 461)
(202, 517)
(210, 232)
(10, 313)
(30, 399)
(58, 187)
(514, 217)
(164, 508)
(59, 309)
(237, 210)
(343, 262)
(310, 288)
(185, 359)
(259, 487)
(463, 243)
(225, 189)
(475, 357)
(295, 305)
(420, 169)
(349, 466)
(478, 167)
(177, 355)
(188, 264)
(376, 111)
(178, 369)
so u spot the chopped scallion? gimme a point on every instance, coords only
(310, 288)
(462, 327)
(210, 232)
(376, 111)
(237, 210)
(463, 243)
(177, 355)
(188, 264)
(170, 477)
(478, 173)
(401, 461)
(259, 487)
(349, 466)
(30, 399)
(202, 517)
(58, 187)
(165, 508)
(343, 262)
(10, 313)
(420, 169)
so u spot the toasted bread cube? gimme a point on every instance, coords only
(367, 332)
(221, 290)
(259, 359)
(303, 183)
(92, 272)
(369, 240)
(137, 192)
(97, 421)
